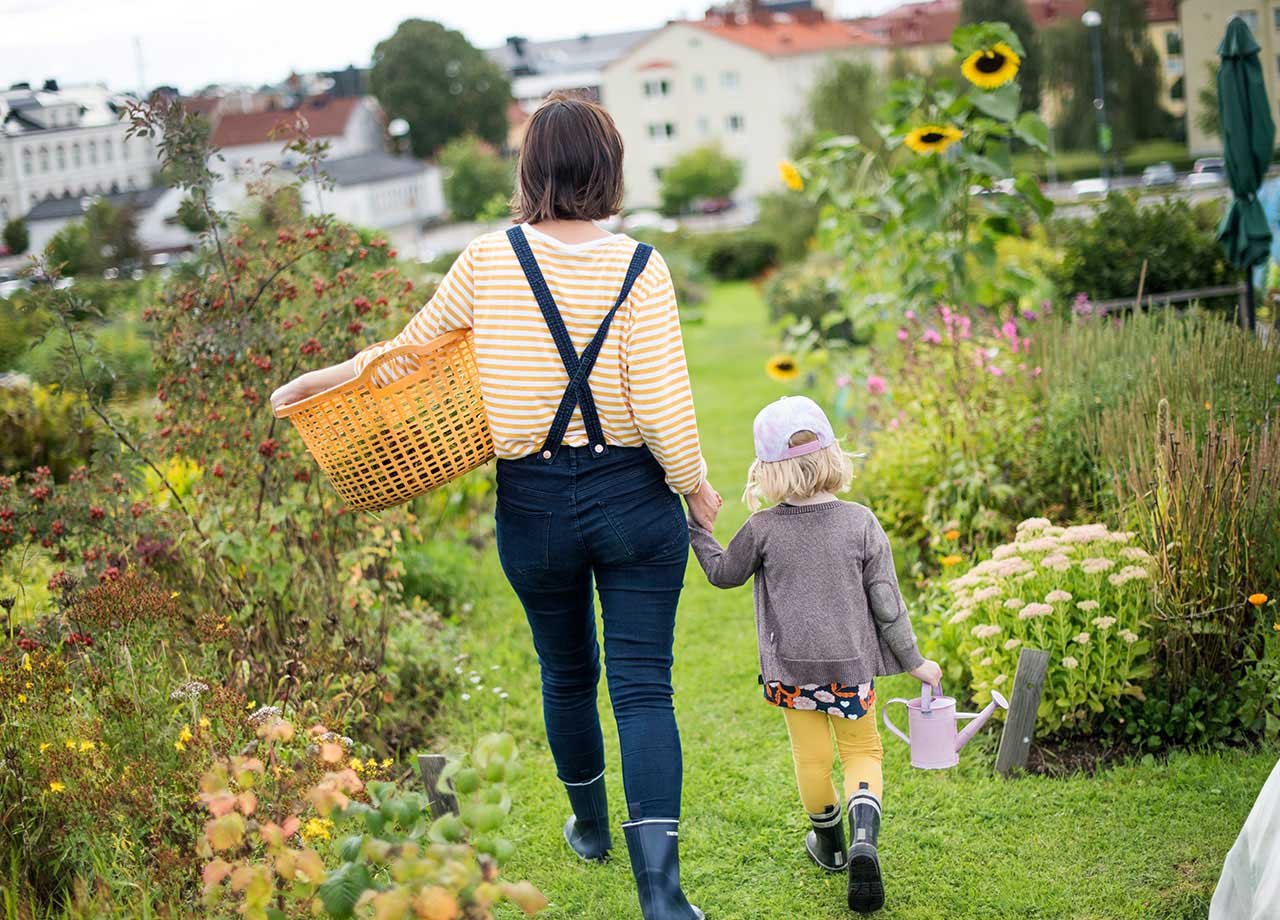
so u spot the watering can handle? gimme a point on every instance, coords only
(889, 725)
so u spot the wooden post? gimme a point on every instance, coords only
(431, 766)
(1020, 723)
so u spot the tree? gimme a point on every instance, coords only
(1014, 13)
(474, 176)
(69, 249)
(16, 238)
(107, 237)
(704, 172)
(434, 79)
(1131, 69)
(843, 101)
(1207, 103)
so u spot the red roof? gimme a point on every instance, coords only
(200, 105)
(931, 22)
(783, 34)
(325, 117)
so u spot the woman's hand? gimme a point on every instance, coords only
(929, 672)
(311, 383)
(704, 505)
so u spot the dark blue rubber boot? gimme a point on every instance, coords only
(587, 829)
(866, 887)
(655, 861)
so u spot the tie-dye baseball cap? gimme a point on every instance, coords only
(778, 421)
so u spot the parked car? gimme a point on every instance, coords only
(1159, 174)
(1090, 188)
(1000, 187)
(1207, 172)
(10, 285)
(649, 220)
(713, 205)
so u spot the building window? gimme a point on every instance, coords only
(44, 159)
(106, 150)
(26, 161)
(699, 83)
(124, 150)
(1275, 16)
(93, 153)
(733, 123)
(729, 79)
(662, 130)
(4, 209)
(704, 124)
(1173, 39)
(1178, 90)
(657, 87)
(1250, 18)
(658, 172)
(61, 156)
(1, 165)
(75, 154)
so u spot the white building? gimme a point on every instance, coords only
(67, 144)
(537, 69)
(371, 187)
(737, 79)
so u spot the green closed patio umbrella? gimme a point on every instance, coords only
(1248, 140)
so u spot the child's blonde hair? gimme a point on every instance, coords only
(827, 470)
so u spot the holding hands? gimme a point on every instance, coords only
(704, 505)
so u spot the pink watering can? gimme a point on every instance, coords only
(931, 723)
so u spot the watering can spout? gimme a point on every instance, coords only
(979, 719)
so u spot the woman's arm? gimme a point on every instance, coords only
(656, 384)
(448, 309)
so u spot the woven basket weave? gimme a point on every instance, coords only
(383, 445)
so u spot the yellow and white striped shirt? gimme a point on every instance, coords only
(640, 381)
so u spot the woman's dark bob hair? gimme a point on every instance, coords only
(570, 165)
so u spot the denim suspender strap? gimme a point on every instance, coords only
(578, 392)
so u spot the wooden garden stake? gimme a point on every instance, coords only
(431, 766)
(1020, 724)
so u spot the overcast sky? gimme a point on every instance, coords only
(190, 44)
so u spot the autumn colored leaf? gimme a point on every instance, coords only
(225, 832)
(528, 898)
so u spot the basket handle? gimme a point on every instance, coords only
(365, 377)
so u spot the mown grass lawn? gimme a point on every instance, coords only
(1140, 841)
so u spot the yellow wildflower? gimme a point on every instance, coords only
(22, 697)
(56, 786)
(179, 746)
(933, 138)
(204, 722)
(1257, 599)
(185, 735)
(357, 764)
(71, 745)
(791, 176)
(86, 746)
(26, 662)
(953, 559)
(386, 763)
(782, 368)
(317, 829)
(173, 594)
(45, 746)
(951, 535)
(992, 67)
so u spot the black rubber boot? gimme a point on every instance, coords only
(587, 829)
(655, 861)
(825, 842)
(866, 887)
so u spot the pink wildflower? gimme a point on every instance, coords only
(931, 337)
(875, 385)
(842, 381)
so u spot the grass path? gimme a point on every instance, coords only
(1138, 841)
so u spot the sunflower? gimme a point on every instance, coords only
(991, 67)
(933, 138)
(790, 175)
(783, 368)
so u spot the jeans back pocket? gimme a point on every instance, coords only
(524, 539)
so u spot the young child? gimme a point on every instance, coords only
(829, 620)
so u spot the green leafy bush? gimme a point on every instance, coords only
(701, 173)
(15, 236)
(810, 293)
(474, 175)
(41, 426)
(1103, 256)
(1081, 593)
(735, 255)
(790, 219)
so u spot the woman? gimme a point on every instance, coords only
(583, 373)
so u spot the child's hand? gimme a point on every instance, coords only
(704, 505)
(929, 672)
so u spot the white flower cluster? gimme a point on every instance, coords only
(1127, 574)
(190, 690)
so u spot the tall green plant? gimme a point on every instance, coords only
(918, 219)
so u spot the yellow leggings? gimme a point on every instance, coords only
(857, 743)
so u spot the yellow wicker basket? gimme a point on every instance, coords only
(383, 445)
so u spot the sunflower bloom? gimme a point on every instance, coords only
(782, 368)
(933, 138)
(989, 68)
(1257, 599)
(791, 176)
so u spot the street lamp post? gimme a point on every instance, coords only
(1093, 20)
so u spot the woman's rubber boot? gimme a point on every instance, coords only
(866, 887)
(655, 861)
(587, 829)
(825, 842)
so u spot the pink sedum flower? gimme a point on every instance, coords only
(875, 385)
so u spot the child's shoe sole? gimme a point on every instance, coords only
(866, 887)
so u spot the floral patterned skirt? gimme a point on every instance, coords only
(836, 700)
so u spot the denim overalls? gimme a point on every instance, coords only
(568, 516)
